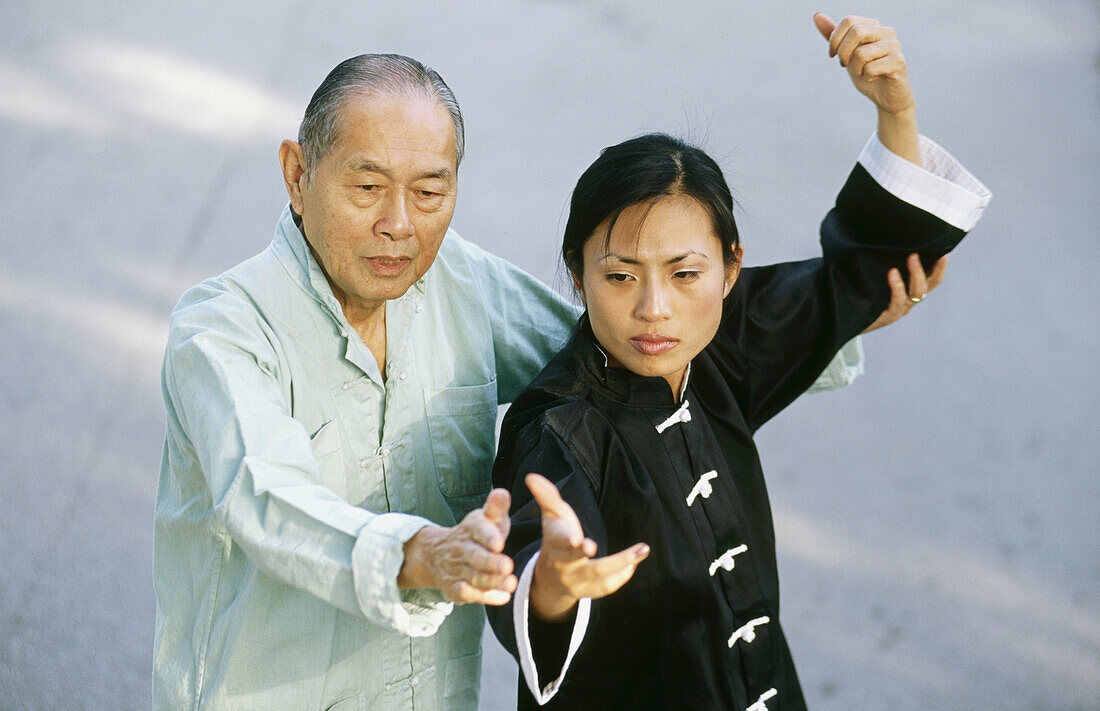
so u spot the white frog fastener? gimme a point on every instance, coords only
(747, 631)
(725, 561)
(702, 487)
(681, 415)
(759, 705)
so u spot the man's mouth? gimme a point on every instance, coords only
(388, 266)
(653, 344)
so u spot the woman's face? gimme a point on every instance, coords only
(654, 294)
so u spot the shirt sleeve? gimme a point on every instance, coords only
(783, 323)
(544, 651)
(530, 321)
(522, 622)
(222, 387)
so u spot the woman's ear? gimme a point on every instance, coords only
(578, 282)
(733, 270)
(578, 286)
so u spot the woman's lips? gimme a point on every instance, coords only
(648, 344)
(388, 266)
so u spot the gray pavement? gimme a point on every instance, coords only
(936, 522)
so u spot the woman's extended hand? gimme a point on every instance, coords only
(566, 570)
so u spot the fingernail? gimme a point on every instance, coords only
(643, 551)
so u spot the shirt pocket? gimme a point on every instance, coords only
(328, 451)
(461, 423)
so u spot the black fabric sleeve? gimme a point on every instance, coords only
(783, 323)
(542, 451)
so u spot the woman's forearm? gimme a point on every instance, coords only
(898, 132)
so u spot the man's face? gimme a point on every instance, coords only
(377, 206)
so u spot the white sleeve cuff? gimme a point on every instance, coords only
(843, 369)
(520, 618)
(943, 187)
(376, 561)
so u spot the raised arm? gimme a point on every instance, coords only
(872, 55)
(784, 322)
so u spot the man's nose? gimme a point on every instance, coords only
(653, 303)
(394, 222)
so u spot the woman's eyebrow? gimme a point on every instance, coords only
(673, 260)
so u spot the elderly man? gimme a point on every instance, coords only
(331, 405)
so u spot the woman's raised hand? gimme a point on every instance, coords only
(566, 570)
(872, 55)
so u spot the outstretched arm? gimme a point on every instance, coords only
(567, 569)
(464, 562)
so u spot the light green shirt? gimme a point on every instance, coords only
(293, 474)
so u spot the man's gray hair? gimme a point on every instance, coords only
(370, 74)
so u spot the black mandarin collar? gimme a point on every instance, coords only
(586, 358)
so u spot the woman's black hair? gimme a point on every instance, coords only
(645, 169)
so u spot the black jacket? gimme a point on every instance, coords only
(664, 640)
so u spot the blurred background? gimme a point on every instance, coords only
(936, 522)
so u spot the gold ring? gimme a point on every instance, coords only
(917, 299)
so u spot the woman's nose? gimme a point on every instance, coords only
(653, 303)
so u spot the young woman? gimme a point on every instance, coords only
(641, 427)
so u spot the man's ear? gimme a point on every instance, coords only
(733, 270)
(293, 160)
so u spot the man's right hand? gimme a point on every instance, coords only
(464, 562)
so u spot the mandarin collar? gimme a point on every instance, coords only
(588, 359)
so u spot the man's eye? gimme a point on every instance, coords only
(687, 275)
(427, 194)
(618, 278)
(369, 188)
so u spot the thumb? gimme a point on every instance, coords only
(496, 505)
(554, 507)
(824, 25)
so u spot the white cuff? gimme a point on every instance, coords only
(520, 603)
(376, 561)
(943, 187)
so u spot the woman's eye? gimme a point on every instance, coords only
(687, 275)
(618, 278)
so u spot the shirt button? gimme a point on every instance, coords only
(403, 375)
(364, 462)
(418, 309)
(347, 386)
(385, 452)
